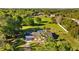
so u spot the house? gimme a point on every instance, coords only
(29, 37)
(40, 31)
(52, 15)
(40, 14)
(39, 35)
(50, 34)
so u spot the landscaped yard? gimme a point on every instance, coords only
(46, 29)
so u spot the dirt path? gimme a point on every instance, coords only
(74, 42)
(63, 28)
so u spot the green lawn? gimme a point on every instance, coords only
(63, 35)
(58, 30)
(43, 19)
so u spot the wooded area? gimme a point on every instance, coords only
(39, 30)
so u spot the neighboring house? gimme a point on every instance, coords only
(40, 14)
(52, 15)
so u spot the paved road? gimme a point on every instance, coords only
(75, 20)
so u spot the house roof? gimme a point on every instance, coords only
(40, 31)
(28, 38)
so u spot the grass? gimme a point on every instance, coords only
(58, 30)
(63, 35)
(27, 27)
(43, 19)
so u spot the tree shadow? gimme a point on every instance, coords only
(44, 21)
(41, 24)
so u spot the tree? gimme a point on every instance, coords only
(50, 44)
(19, 44)
(38, 20)
(12, 27)
(28, 21)
(71, 26)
